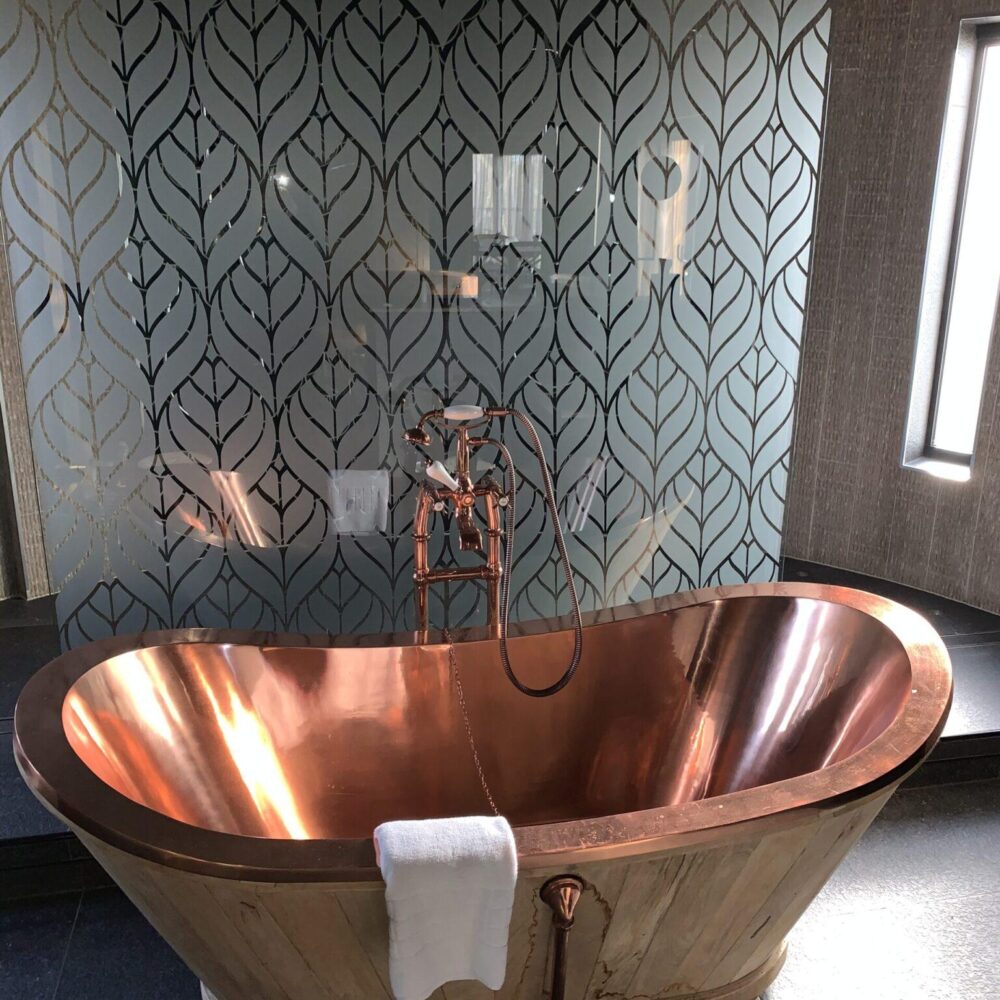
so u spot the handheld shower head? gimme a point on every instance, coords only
(417, 435)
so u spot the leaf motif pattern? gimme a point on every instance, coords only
(251, 239)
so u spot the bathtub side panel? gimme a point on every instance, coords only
(829, 846)
(729, 918)
(697, 924)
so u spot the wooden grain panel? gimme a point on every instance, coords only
(601, 899)
(464, 991)
(184, 913)
(648, 891)
(527, 942)
(700, 887)
(834, 837)
(286, 950)
(737, 919)
(368, 919)
(698, 924)
(329, 945)
(143, 890)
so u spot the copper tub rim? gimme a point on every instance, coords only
(72, 791)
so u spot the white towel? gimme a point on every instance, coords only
(449, 892)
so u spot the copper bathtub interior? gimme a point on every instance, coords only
(666, 708)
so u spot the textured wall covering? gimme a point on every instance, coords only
(250, 239)
(25, 571)
(851, 503)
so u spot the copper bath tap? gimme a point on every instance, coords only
(461, 494)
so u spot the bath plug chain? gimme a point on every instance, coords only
(453, 661)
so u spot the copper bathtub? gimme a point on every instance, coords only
(713, 760)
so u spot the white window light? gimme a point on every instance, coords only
(959, 306)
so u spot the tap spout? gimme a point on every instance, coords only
(470, 538)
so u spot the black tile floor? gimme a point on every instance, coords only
(911, 914)
(89, 946)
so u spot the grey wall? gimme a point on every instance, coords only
(238, 233)
(851, 503)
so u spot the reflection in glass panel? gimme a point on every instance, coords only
(238, 279)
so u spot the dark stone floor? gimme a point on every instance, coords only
(911, 914)
(89, 946)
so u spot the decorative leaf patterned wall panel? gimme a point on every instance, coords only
(250, 241)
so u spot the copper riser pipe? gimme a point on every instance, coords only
(561, 894)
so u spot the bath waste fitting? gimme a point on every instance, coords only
(460, 493)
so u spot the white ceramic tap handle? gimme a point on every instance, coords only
(440, 474)
(462, 411)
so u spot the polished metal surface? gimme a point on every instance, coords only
(255, 756)
(463, 499)
(561, 895)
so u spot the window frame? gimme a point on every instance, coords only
(987, 36)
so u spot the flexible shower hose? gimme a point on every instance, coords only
(510, 478)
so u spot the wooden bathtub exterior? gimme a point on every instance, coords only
(689, 900)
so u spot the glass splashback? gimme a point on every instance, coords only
(250, 242)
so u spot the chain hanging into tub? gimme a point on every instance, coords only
(562, 893)
(453, 661)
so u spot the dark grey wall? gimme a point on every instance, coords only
(851, 503)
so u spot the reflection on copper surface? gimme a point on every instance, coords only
(252, 751)
(329, 743)
(765, 698)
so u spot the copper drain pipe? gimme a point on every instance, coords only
(561, 894)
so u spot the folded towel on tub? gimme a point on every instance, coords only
(449, 890)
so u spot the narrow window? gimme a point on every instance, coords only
(962, 313)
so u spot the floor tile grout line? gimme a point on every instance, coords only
(69, 942)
